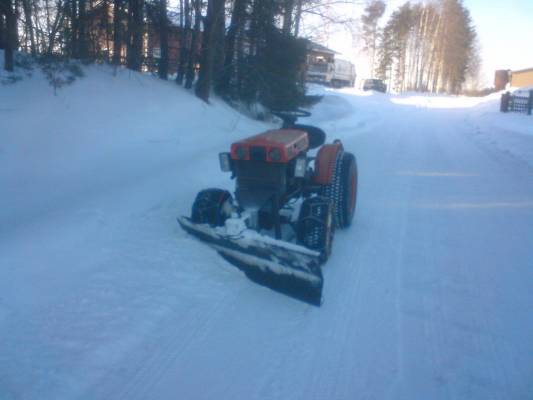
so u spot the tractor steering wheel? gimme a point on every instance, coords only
(290, 117)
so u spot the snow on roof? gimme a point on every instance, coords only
(522, 70)
(318, 47)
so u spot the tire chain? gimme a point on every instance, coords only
(314, 237)
(334, 190)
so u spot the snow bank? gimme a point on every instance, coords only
(437, 101)
(88, 133)
(511, 133)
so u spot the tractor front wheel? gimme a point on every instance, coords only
(212, 206)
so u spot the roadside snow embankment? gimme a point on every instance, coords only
(102, 132)
(510, 132)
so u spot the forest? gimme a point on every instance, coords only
(426, 47)
(246, 51)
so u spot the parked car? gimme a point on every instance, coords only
(374, 84)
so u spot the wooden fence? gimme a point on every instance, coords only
(517, 103)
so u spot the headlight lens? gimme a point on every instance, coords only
(241, 152)
(300, 166)
(274, 154)
(225, 162)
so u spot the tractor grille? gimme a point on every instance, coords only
(257, 153)
(261, 173)
(258, 181)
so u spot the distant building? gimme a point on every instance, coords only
(501, 79)
(152, 48)
(521, 78)
(100, 22)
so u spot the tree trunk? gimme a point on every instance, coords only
(74, 28)
(135, 30)
(298, 18)
(15, 28)
(189, 78)
(185, 42)
(220, 39)
(2, 29)
(117, 32)
(108, 30)
(163, 39)
(232, 43)
(58, 22)
(287, 16)
(203, 86)
(83, 43)
(10, 35)
(29, 25)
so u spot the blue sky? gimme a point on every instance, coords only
(505, 30)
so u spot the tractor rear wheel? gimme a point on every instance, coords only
(342, 189)
(348, 187)
(212, 206)
(316, 226)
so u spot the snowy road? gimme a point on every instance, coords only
(427, 296)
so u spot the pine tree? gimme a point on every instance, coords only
(215, 16)
(163, 39)
(372, 14)
(228, 84)
(193, 50)
(10, 35)
(428, 47)
(118, 32)
(28, 23)
(185, 40)
(135, 31)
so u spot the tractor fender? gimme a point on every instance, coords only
(325, 162)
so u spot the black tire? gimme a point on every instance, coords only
(343, 189)
(212, 206)
(348, 186)
(316, 227)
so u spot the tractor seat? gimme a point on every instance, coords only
(317, 137)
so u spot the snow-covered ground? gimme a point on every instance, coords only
(427, 296)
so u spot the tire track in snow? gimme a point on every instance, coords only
(352, 276)
(438, 327)
(475, 335)
(146, 370)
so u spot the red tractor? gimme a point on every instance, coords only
(279, 228)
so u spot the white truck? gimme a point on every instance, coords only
(339, 73)
(343, 74)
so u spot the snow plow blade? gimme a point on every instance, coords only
(282, 266)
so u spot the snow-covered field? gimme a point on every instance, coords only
(427, 296)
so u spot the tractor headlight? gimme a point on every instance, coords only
(241, 152)
(225, 162)
(300, 166)
(274, 154)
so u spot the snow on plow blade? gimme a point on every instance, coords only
(285, 267)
